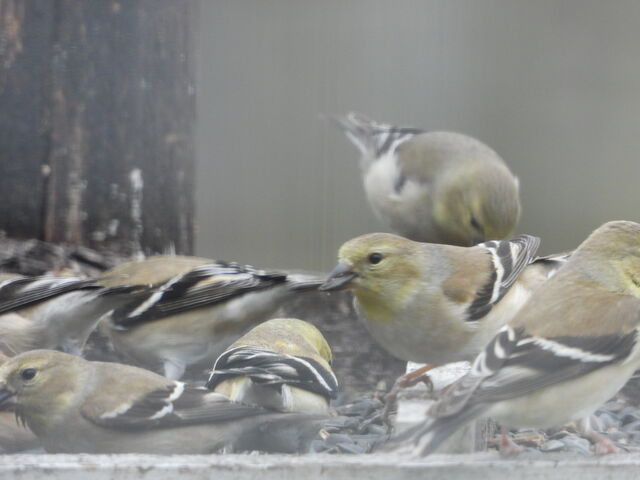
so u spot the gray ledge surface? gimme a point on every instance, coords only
(311, 467)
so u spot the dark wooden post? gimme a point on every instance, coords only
(96, 123)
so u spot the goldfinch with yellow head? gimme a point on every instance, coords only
(194, 308)
(570, 348)
(76, 406)
(437, 187)
(282, 364)
(433, 303)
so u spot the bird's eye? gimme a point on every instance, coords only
(475, 224)
(375, 257)
(28, 373)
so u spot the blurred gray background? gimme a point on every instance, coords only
(553, 86)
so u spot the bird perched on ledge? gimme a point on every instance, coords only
(55, 312)
(282, 364)
(433, 303)
(438, 187)
(566, 352)
(77, 406)
(194, 309)
(13, 436)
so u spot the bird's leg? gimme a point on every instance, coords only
(507, 446)
(601, 444)
(404, 381)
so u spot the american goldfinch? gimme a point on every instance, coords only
(14, 437)
(195, 309)
(74, 406)
(53, 312)
(282, 364)
(567, 351)
(439, 187)
(437, 304)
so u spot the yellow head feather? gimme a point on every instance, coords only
(387, 271)
(42, 381)
(477, 204)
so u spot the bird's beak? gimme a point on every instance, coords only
(339, 278)
(5, 394)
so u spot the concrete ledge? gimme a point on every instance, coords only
(312, 467)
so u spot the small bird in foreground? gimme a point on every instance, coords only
(77, 406)
(438, 187)
(13, 436)
(194, 309)
(282, 364)
(433, 303)
(53, 312)
(566, 352)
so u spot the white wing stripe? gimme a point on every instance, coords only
(499, 275)
(561, 350)
(154, 297)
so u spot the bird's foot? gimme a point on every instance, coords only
(404, 381)
(508, 447)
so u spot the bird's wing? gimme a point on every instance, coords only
(26, 291)
(516, 363)
(203, 286)
(267, 367)
(508, 259)
(151, 401)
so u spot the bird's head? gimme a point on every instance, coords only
(477, 205)
(381, 269)
(611, 256)
(37, 383)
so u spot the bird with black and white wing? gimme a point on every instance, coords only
(282, 364)
(570, 348)
(55, 312)
(194, 309)
(433, 303)
(437, 187)
(77, 406)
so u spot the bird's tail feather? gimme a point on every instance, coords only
(372, 138)
(361, 130)
(429, 435)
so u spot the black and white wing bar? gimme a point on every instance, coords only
(371, 137)
(516, 363)
(270, 368)
(196, 288)
(23, 292)
(174, 405)
(509, 258)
